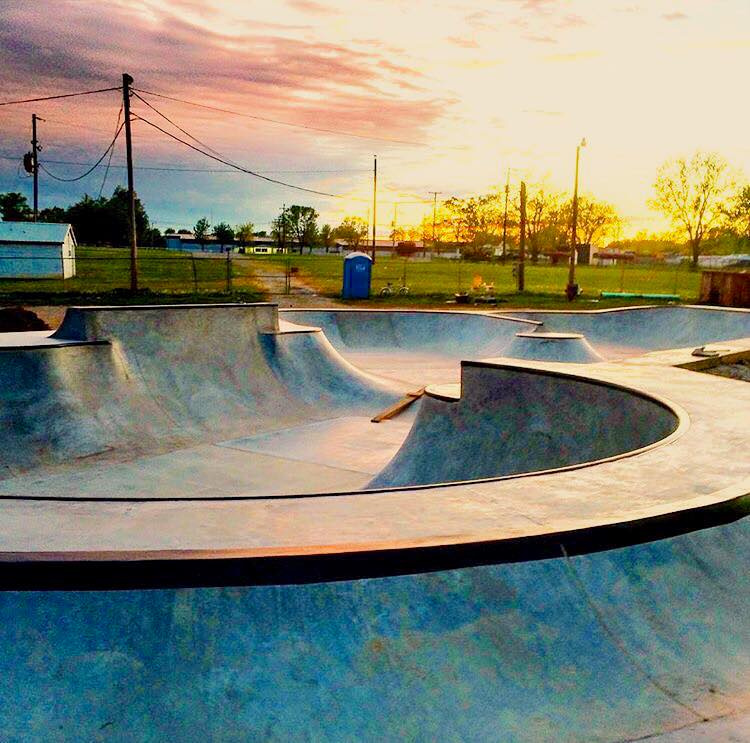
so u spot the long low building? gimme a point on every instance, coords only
(38, 250)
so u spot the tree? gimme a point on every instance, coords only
(327, 238)
(224, 234)
(54, 214)
(117, 220)
(690, 193)
(353, 230)
(737, 213)
(543, 219)
(200, 231)
(15, 208)
(91, 221)
(280, 230)
(302, 221)
(475, 220)
(244, 233)
(153, 238)
(596, 219)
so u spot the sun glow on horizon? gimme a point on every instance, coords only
(485, 86)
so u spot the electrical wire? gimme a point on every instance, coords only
(92, 168)
(111, 152)
(172, 169)
(55, 97)
(178, 127)
(246, 170)
(336, 132)
(222, 159)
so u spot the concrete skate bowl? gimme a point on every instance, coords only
(623, 332)
(415, 346)
(602, 602)
(508, 421)
(158, 402)
(610, 334)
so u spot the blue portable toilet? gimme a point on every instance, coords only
(357, 276)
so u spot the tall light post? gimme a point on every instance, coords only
(571, 290)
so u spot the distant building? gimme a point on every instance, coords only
(613, 257)
(187, 241)
(37, 250)
(724, 261)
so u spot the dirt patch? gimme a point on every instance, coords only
(301, 293)
(18, 319)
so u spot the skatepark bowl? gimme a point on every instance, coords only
(204, 535)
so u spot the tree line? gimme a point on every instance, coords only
(96, 221)
(295, 228)
(704, 200)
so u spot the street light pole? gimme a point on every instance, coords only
(571, 290)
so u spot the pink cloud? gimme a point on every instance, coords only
(310, 6)
(263, 72)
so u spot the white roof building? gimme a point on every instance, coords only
(37, 250)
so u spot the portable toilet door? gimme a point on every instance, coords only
(357, 276)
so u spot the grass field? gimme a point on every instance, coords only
(168, 276)
(435, 282)
(104, 274)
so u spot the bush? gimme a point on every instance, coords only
(477, 252)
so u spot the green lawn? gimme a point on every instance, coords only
(168, 276)
(434, 282)
(103, 274)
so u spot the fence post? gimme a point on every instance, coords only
(229, 270)
(195, 274)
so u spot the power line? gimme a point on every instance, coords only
(111, 152)
(243, 169)
(55, 97)
(337, 132)
(177, 126)
(92, 168)
(172, 169)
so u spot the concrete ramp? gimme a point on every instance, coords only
(630, 331)
(510, 421)
(123, 382)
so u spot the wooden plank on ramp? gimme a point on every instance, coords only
(398, 407)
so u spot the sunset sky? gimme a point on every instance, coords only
(471, 88)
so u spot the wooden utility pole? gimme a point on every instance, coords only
(522, 241)
(374, 202)
(35, 163)
(434, 216)
(505, 214)
(127, 81)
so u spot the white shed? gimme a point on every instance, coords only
(37, 250)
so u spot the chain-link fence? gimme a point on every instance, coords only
(445, 279)
(100, 271)
(103, 271)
